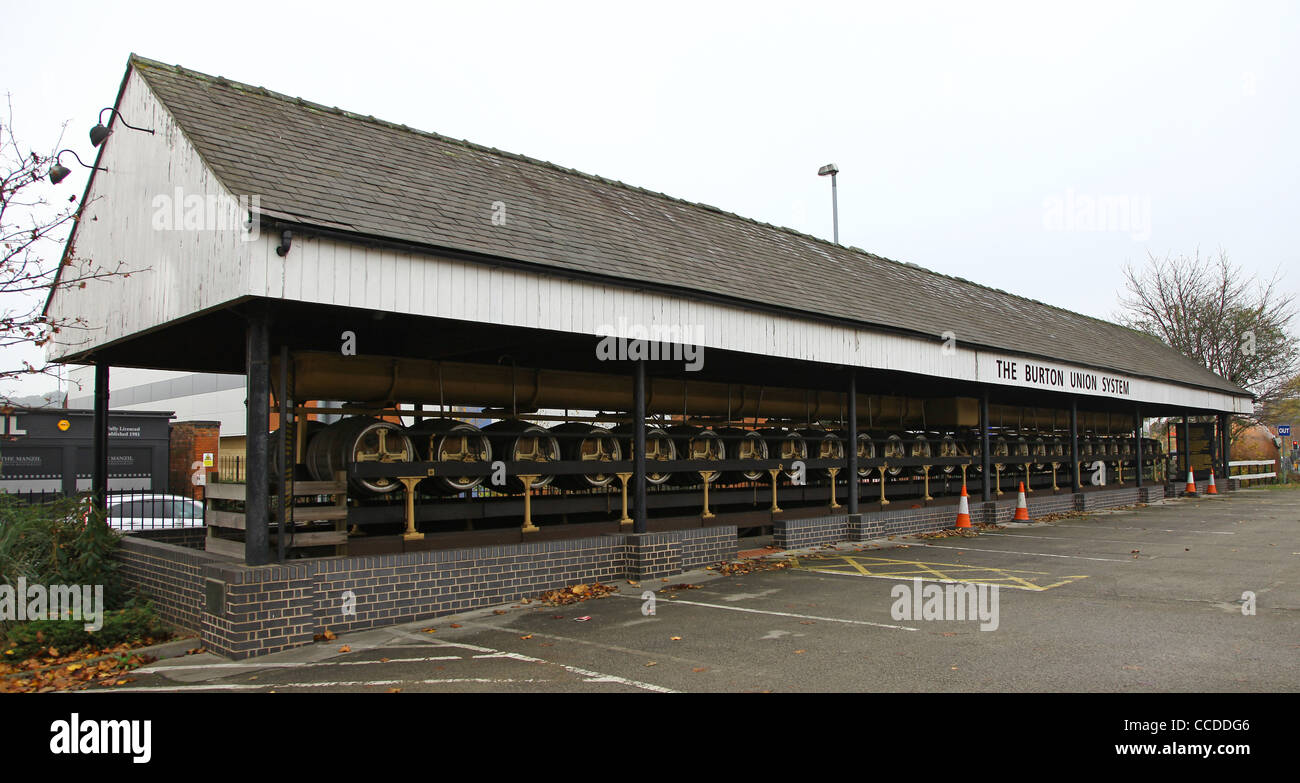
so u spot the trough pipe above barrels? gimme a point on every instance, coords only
(387, 380)
(99, 470)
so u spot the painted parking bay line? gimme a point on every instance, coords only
(949, 573)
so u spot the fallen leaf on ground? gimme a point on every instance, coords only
(526, 638)
(800, 652)
(345, 648)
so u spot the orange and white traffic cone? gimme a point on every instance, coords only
(1210, 490)
(1191, 483)
(963, 509)
(1022, 509)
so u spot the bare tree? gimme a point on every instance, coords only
(31, 232)
(1228, 321)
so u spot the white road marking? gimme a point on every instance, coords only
(285, 664)
(236, 686)
(590, 675)
(774, 635)
(1033, 554)
(790, 614)
(747, 596)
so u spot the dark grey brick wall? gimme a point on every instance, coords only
(1110, 498)
(813, 531)
(168, 575)
(262, 609)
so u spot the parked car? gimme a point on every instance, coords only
(153, 512)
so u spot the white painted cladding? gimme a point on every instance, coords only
(175, 271)
(324, 270)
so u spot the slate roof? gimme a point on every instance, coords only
(326, 167)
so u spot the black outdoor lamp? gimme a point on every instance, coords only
(100, 132)
(60, 172)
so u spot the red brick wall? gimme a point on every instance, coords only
(189, 441)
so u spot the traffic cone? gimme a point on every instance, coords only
(963, 509)
(1191, 483)
(1022, 509)
(1210, 490)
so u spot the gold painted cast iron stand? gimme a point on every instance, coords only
(626, 520)
(707, 476)
(833, 471)
(529, 527)
(998, 469)
(774, 472)
(409, 482)
(1120, 466)
(1054, 487)
(1029, 487)
(963, 476)
(927, 483)
(883, 502)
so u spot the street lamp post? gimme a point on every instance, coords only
(832, 169)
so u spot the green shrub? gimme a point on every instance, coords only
(51, 544)
(136, 622)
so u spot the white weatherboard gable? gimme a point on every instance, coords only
(174, 273)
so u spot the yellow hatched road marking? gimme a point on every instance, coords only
(894, 568)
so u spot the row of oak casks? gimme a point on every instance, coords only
(331, 448)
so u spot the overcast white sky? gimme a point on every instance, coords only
(965, 133)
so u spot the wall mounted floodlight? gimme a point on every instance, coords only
(832, 169)
(100, 132)
(60, 172)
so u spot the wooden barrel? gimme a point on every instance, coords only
(866, 450)
(359, 439)
(823, 444)
(919, 448)
(893, 448)
(515, 440)
(450, 440)
(946, 446)
(311, 428)
(743, 444)
(1056, 450)
(659, 447)
(582, 442)
(785, 445)
(696, 443)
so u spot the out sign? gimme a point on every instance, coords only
(1284, 430)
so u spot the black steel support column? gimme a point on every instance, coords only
(985, 487)
(283, 465)
(1185, 446)
(638, 450)
(257, 549)
(1074, 445)
(1137, 441)
(1225, 439)
(99, 469)
(852, 446)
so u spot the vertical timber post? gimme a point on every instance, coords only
(99, 470)
(1137, 442)
(1074, 445)
(852, 446)
(985, 489)
(257, 550)
(638, 449)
